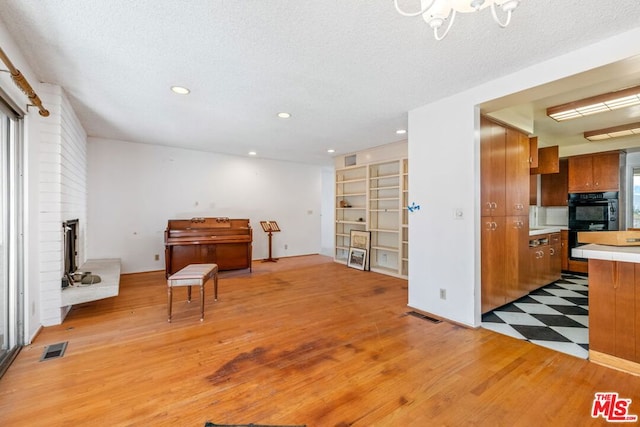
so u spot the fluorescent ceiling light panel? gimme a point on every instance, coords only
(596, 104)
(613, 132)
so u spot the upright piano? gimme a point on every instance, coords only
(223, 241)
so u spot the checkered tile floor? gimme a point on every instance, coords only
(555, 316)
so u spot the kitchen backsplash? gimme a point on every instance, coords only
(541, 216)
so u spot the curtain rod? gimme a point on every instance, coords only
(23, 84)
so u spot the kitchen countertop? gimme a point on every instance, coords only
(608, 253)
(536, 231)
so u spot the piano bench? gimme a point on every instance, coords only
(193, 275)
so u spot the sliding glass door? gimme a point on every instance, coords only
(11, 291)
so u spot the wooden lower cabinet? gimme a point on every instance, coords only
(513, 263)
(578, 266)
(503, 260)
(555, 258)
(544, 260)
(564, 249)
(614, 309)
(538, 265)
(493, 253)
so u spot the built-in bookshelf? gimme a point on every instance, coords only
(374, 197)
(351, 207)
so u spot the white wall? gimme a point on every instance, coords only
(54, 187)
(444, 175)
(62, 195)
(134, 189)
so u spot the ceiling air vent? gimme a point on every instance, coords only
(54, 350)
(350, 160)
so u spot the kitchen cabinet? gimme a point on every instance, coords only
(614, 308)
(533, 152)
(504, 165)
(594, 172)
(504, 158)
(544, 260)
(555, 258)
(502, 239)
(578, 266)
(533, 190)
(539, 263)
(516, 173)
(548, 161)
(493, 273)
(554, 188)
(492, 168)
(564, 250)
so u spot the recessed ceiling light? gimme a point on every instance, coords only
(180, 90)
(284, 115)
(252, 153)
(331, 150)
(401, 131)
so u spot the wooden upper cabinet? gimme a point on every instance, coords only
(504, 164)
(554, 187)
(533, 152)
(548, 161)
(492, 167)
(606, 171)
(517, 173)
(533, 190)
(594, 172)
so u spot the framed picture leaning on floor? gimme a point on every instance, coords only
(361, 240)
(357, 258)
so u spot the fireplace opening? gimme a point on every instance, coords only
(70, 240)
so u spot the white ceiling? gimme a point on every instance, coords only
(347, 70)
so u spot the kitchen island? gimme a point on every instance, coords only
(614, 305)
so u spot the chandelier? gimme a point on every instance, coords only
(437, 12)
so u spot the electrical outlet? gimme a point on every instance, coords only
(458, 213)
(157, 257)
(286, 246)
(443, 294)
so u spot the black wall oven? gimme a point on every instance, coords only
(592, 212)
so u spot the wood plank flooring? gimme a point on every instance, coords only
(301, 341)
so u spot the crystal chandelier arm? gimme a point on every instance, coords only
(452, 17)
(497, 19)
(411, 14)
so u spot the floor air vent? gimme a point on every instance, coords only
(54, 350)
(423, 317)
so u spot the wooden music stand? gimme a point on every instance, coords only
(270, 227)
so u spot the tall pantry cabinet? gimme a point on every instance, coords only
(504, 164)
(374, 197)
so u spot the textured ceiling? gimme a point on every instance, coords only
(347, 70)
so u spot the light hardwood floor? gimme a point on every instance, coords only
(303, 341)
